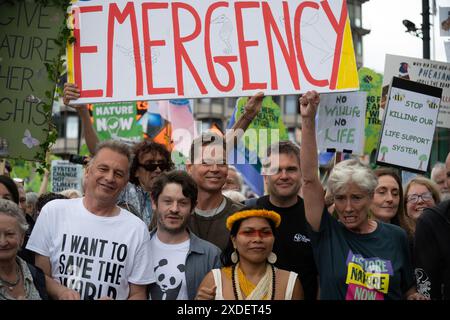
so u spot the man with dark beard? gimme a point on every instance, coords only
(181, 259)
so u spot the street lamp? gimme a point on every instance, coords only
(424, 32)
(411, 28)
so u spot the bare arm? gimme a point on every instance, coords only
(71, 92)
(298, 293)
(137, 292)
(251, 110)
(207, 288)
(44, 183)
(313, 194)
(54, 289)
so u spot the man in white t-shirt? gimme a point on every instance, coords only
(89, 247)
(180, 258)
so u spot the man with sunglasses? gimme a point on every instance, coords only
(150, 160)
(432, 249)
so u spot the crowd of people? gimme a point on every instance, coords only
(142, 230)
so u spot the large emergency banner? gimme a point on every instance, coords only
(146, 50)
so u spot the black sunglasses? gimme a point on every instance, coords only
(163, 166)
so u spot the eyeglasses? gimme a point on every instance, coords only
(254, 233)
(414, 198)
(163, 166)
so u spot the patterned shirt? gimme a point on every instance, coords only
(134, 199)
(31, 293)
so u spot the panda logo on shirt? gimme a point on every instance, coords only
(168, 283)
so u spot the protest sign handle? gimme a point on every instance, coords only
(2, 166)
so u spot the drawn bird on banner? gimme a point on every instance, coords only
(225, 31)
(129, 53)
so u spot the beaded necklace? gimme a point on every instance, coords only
(11, 285)
(236, 286)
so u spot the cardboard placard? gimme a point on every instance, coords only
(409, 125)
(145, 50)
(27, 36)
(66, 175)
(432, 73)
(341, 120)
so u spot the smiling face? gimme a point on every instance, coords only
(254, 240)
(283, 181)
(352, 206)
(106, 176)
(418, 198)
(386, 199)
(210, 171)
(11, 237)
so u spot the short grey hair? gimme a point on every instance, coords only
(32, 198)
(437, 166)
(349, 171)
(116, 146)
(11, 209)
(238, 174)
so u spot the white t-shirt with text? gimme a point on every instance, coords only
(95, 255)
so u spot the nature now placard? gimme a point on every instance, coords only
(341, 119)
(146, 50)
(409, 124)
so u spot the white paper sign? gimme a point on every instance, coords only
(147, 50)
(66, 175)
(432, 73)
(409, 124)
(341, 120)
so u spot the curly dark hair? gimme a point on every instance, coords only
(144, 147)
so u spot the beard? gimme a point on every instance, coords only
(170, 229)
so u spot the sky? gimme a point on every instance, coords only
(387, 36)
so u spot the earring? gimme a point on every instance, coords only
(234, 257)
(272, 258)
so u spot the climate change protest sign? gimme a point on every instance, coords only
(66, 175)
(341, 119)
(409, 124)
(147, 50)
(432, 73)
(28, 31)
(117, 120)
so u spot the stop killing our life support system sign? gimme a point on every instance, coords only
(409, 124)
(146, 50)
